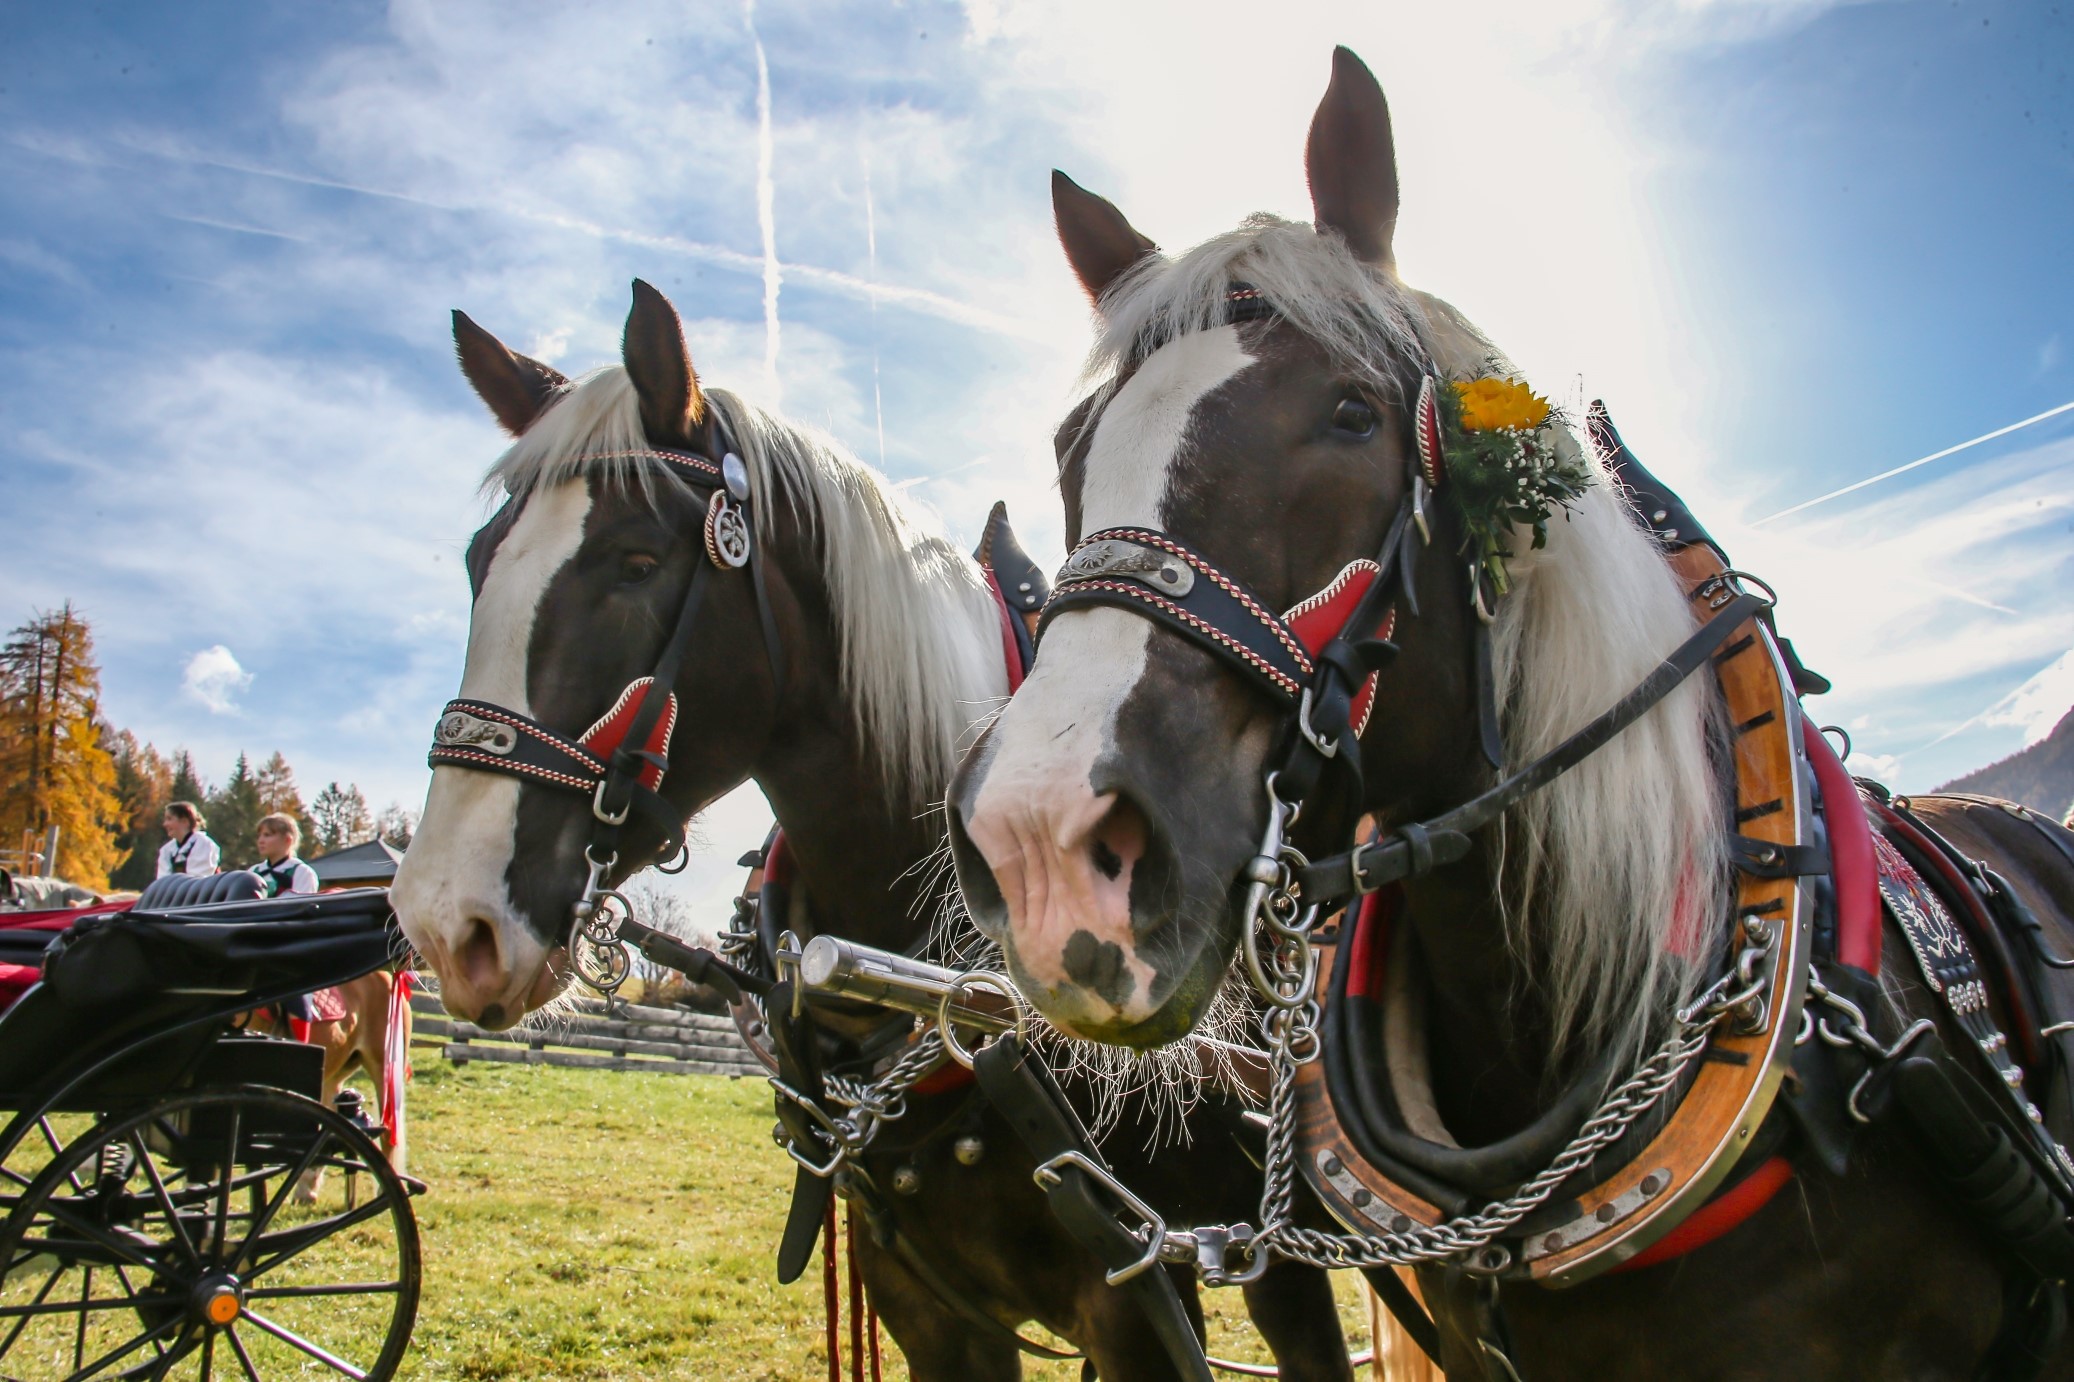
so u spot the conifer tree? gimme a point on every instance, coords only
(341, 818)
(278, 793)
(144, 782)
(234, 814)
(396, 825)
(55, 769)
(188, 785)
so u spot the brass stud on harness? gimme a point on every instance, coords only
(968, 1150)
(907, 1180)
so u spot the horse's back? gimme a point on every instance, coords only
(2029, 849)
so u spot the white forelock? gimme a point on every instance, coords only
(920, 633)
(1364, 318)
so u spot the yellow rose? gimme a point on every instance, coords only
(1492, 404)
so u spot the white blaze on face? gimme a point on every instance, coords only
(452, 878)
(1036, 809)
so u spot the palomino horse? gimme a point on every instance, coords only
(360, 1042)
(842, 674)
(1268, 433)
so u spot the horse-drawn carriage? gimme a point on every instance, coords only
(178, 1200)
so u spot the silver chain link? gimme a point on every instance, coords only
(871, 1103)
(884, 1099)
(1285, 973)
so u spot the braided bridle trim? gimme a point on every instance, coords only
(1132, 590)
(1268, 619)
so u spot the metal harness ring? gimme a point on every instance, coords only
(977, 978)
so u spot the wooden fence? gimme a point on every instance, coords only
(631, 1037)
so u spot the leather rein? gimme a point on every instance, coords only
(619, 762)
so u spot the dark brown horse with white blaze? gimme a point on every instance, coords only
(1105, 824)
(889, 645)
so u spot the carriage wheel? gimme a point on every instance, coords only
(168, 1244)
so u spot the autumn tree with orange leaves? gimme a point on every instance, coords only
(55, 769)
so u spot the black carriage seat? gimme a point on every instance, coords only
(155, 988)
(199, 889)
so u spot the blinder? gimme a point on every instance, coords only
(620, 760)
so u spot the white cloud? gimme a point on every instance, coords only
(213, 677)
(522, 160)
(2040, 703)
(1932, 607)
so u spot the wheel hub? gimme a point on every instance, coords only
(218, 1300)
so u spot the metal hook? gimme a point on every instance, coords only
(1485, 609)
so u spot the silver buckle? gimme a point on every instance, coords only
(598, 805)
(821, 1116)
(1154, 1231)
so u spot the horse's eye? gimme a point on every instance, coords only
(637, 568)
(1354, 418)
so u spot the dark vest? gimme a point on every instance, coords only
(279, 878)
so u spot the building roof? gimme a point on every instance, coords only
(373, 863)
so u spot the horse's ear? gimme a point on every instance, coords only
(517, 389)
(1352, 161)
(672, 405)
(1100, 244)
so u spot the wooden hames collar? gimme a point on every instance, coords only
(1695, 1148)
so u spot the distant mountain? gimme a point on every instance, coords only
(2041, 776)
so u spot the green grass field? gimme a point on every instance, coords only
(586, 1224)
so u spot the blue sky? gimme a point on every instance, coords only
(1793, 243)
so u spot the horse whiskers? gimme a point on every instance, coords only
(557, 1014)
(1155, 1090)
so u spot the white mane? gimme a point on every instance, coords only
(919, 630)
(1365, 320)
(1616, 874)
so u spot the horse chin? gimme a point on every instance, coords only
(1086, 1016)
(547, 985)
(552, 980)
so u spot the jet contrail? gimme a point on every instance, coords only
(1924, 460)
(920, 300)
(766, 209)
(871, 251)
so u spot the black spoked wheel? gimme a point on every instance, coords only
(211, 1236)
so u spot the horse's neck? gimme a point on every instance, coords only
(861, 855)
(862, 848)
(1486, 1032)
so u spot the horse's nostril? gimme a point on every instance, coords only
(476, 958)
(976, 880)
(1119, 838)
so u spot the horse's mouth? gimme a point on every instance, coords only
(546, 985)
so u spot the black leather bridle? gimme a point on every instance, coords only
(1321, 694)
(1321, 683)
(619, 762)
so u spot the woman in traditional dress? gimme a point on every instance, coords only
(187, 849)
(283, 874)
(278, 868)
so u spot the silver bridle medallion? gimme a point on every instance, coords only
(1113, 557)
(459, 729)
(727, 531)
